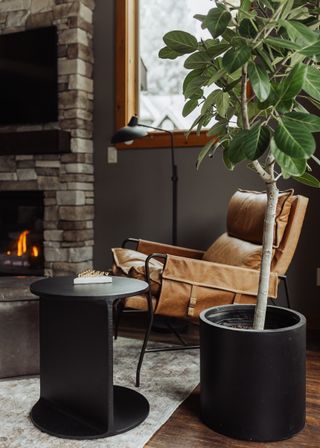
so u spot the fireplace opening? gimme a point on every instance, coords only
(21, 233)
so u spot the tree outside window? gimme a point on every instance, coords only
(147, 85)
(161, 100)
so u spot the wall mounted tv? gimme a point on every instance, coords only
(28, 77)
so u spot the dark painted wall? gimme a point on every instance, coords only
(133, 197)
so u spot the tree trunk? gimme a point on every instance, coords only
(267, 248)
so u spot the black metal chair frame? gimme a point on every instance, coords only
(150, 314)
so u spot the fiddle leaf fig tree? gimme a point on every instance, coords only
(252, 82)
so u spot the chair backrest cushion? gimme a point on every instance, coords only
(242, 250)
(284, 253)
(246, 212)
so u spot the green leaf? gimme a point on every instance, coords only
(181, 41)
(289, 165)
(253, 109)
(167, 53)
(208, 72)
(194, 124)
(312, 122)
(210, 101)
(284, 106)
(264, 58)
(259, 81)
(246, 28)
(296, 141)
(301, 13)
(312, 82)
(197, 60)
(228, 35)
(189, 107)
(218, 128)
(216, 76)
(244, 7)
(291, 86)
(273, 98)
(238, 41)
(217, 21)
(298, 107)
(277, 42)
(203, 122)
(200, 17)
(298, 32)
(231, 85)
(237, 150)
(197, 94)
(190, 76)
(311, 50)
(236, 58)
(205, 150)
(216, 49)
(287, 9)
(227, 160)
(222, 102)
(193, 87)
(255, 141)
(296, 58)
(309, 180)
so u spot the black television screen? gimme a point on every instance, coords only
(28, 77)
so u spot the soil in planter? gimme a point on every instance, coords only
(244, 321)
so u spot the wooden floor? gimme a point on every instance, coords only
(185, 430)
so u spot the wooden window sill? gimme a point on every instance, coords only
(162, 140)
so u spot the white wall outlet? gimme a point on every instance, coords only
(318, 276)
(112, 155)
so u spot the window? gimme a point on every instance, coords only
(145, 85)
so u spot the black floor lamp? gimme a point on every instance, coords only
(133, 131)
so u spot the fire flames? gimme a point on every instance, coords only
(22, 243)
(34, 251)
(22, 246)
(22, 255)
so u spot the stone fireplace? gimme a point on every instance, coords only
(65, 180)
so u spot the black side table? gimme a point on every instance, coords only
(77, 397)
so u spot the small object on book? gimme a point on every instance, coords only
(90, 276)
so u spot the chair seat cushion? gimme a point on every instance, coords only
(131, 263)
(235, 252)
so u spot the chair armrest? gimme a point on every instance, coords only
(150, 247)
(215, 275)
(128, 241)
(162, 257)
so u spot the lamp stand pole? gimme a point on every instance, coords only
(130, 132)
(174, 180)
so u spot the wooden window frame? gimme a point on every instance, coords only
(127, 81)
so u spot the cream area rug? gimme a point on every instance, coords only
(167, 378)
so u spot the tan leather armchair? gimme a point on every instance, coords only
(185, 281)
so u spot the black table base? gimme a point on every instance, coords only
(77, 397)
(130, 409)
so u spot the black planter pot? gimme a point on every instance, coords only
(253, 382)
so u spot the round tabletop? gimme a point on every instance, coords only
(63, 287)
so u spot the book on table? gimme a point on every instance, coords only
(91, 276)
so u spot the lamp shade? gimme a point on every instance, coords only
(130, 132)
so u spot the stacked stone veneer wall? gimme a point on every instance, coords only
(67, 179)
